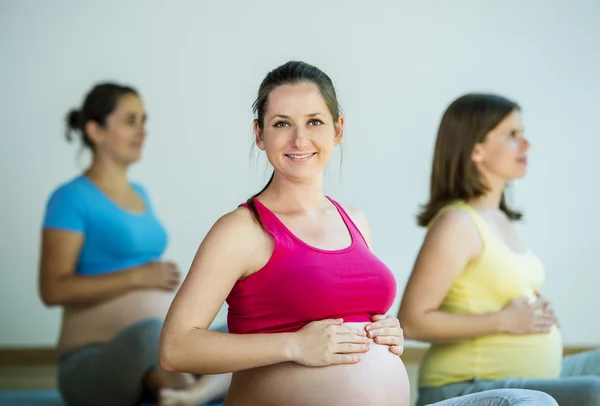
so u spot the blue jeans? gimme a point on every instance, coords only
(578, 384)
(501, 397)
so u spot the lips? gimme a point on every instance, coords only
(300, 157)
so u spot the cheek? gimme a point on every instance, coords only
(274, 142)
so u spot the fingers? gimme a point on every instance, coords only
(389, 340)
(397, 349)
(543, 324)
(341, 329)
(538, 304)
(352, 338)
(544, 320)
(382, 321)
(378, 317)
(385, 331)
(345, 358)
(331, 321)
(349, 348)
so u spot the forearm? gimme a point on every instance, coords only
(442, 327)
(82, 290)
(202, 351)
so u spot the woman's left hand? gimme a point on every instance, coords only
(386, 330)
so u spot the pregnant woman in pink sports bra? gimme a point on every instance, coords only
(307, 297)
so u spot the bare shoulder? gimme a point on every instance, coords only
(354, 213)
(237, 226)
(454, 221)
(359, 219)
(454, 228)
(235, 243)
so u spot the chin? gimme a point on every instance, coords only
(517, 176)
(302, 177)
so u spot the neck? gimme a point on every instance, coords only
(492, 198)
(302, 196)
(108, 174)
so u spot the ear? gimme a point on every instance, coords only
(339, 131)
(94, 132)
(258, 136)
(477, 155)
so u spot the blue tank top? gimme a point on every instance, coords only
(114, 238)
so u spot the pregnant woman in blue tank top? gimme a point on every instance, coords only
(101, 261)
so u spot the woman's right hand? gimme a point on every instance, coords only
(157, 275)
(520, 316)
(329, 342)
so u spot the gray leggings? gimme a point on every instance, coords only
(112, 373)
(578, 384)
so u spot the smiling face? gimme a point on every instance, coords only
(299, 132)
(503, 153)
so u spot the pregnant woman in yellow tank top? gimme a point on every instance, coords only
(474, 292)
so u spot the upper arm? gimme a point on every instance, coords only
(226, 253)
(450, 244)
(62, 238)
(360, 220)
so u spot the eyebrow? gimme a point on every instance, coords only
(288, 117)
(130, 114)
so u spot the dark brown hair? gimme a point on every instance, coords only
(98, 104)
(292, 72)
(454, 176)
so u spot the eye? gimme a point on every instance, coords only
(315, 122)
(281, 124)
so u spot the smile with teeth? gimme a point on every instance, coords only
(300, 157)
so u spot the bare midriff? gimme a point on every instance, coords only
(99, 323)
(380, 378)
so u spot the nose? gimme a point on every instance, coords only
(300, 138)
(142, 130)
(525, 144)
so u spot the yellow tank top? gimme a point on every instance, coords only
(486, 285)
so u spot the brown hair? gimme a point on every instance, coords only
(454, 176)
(292, 72)
(99, 103)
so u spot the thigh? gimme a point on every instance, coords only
(501, 397)
(112, 373)
(584, 363)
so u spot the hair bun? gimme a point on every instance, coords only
(74, 119)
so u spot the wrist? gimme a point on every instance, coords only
(500, 322)
(135, 279)
(291, 348)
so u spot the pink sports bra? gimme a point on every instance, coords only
(300, 284)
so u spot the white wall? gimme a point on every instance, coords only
(396, 65)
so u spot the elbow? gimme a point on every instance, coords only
(172, 355)
(167, 358)
(410, 328)
(409, 331)
(50, 297)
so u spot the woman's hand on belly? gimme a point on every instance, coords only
(329, 342)
(386, 330)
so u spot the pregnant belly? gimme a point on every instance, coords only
(99, 323)
(380, 378)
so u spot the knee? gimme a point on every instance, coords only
(537, 398)
(521, 397)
